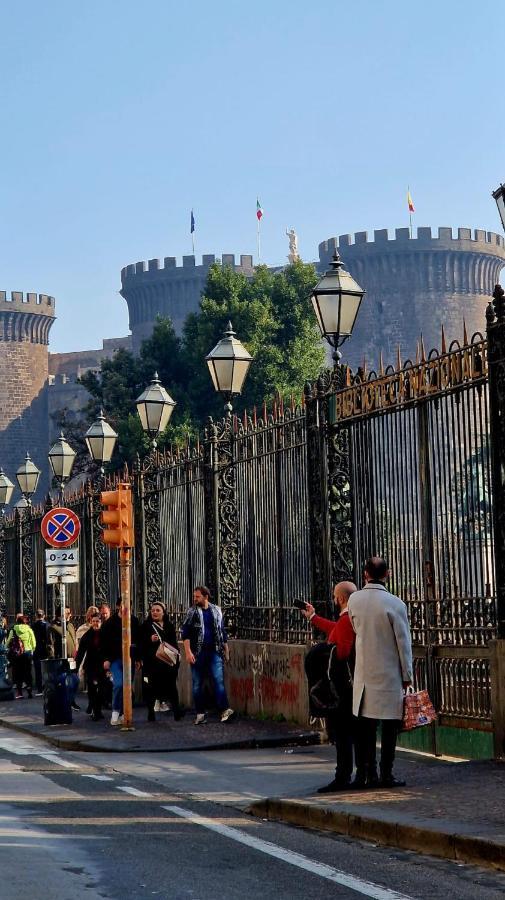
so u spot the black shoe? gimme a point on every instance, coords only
(75, 706)
(151, 716)
(30, 695)
(89, 711)
(95, 717)
(336, 785)
(389, 781)
(179, 713)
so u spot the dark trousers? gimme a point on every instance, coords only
(156, 688)
(340, 729)
(366, 740)
(22, 672)
(95, 694)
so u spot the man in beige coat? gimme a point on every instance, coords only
(383, 671)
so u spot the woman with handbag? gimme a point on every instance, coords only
(160, 662)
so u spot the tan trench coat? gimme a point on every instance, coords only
(383, 652)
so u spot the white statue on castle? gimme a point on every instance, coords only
(293, 254)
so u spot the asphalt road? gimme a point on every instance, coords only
(75, 825)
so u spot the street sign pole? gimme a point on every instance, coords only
(124, 572)
(63, 592)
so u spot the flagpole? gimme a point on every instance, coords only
(259, 240)
(193, 241)
(410, 211)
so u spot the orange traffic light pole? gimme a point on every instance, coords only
(117, 518)
(126, 634)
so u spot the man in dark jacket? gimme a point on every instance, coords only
(111, 641)
(90, 656)
(205, 646)
(44, 648)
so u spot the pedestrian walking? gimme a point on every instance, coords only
(341, 723)
(44, 647)
(21, 643)
(159, 678)
(90, 656)
(205, 648)
(382, 673)
(81, 631)
(112, 650)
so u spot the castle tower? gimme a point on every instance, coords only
(170, 291)
(416, 285)
(25, 322)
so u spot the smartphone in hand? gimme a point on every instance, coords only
(300, 604)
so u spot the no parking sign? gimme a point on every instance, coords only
(60, 527)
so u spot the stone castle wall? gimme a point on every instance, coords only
(172, 291)
(415, 286)
(25, 322)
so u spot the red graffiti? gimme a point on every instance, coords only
(242, 689)
(296, 662)
(278, 691)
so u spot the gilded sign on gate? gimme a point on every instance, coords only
(426, 379)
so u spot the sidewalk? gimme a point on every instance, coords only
(164, 735)
(450, 809)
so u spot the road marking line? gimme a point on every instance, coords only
(99, 777)
(134, 791)
(51, 757)
(367, 888)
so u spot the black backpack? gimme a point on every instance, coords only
(16, 646)
(328, 678)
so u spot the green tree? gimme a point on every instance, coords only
(271, 314)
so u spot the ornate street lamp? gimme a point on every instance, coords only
(6, 489)
(499, 196)
(101, 440)
(61, 459)
(155, 406)
(27, 477)
(228, 364)
(22, 503)
(336, 299)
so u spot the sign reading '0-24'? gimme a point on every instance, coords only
(60, 527)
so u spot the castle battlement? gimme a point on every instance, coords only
(189, 267)
(466, 239)
(41, 304)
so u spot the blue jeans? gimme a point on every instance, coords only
(208, 662)
(116, 669)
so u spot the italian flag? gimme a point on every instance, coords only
(259, 211)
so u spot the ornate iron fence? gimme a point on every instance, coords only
(406, 462)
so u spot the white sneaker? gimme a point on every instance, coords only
(164, 707)
(201, 719)
(227, 715)
(116, 718)
(157, 706)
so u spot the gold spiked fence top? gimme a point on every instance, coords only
(428, 377)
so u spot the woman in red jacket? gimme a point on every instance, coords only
(342, 635)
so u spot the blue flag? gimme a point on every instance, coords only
(192, 222)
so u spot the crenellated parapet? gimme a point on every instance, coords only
(417, 284)
(26, 317)
(155, 288)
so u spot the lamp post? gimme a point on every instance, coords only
(61, 459)
(100, 441)
(27, 476)
(336, 299)
(228, 364)
(6, 489)
(499, 196)
(155, 407)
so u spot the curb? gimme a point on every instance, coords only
(83, 745)
(475, 851)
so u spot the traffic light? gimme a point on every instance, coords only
(117, 516)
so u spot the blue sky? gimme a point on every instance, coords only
(119, 116)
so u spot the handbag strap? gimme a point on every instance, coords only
(158, 631)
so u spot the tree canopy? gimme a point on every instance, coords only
(272, 316)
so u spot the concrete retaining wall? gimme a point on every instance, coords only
(261, 679)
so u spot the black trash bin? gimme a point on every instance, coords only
(57, 680)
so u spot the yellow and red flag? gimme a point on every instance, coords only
(410, 202)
